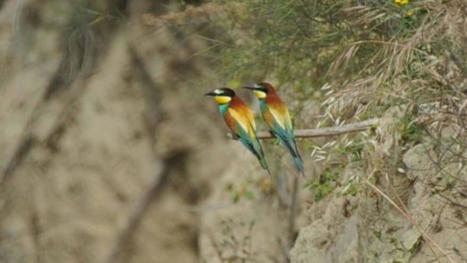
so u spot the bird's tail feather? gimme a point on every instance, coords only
(264, 164)
(299, 164)
(255, 147)
(297, 159)
(260, 154)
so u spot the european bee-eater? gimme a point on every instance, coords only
(240, 120)
(277, 117)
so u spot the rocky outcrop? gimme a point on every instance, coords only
(369, 228)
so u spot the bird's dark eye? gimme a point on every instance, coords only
(261, 87)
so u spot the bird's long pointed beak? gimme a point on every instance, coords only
(211, 93)
(250, 87)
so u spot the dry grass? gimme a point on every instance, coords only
(399, 205)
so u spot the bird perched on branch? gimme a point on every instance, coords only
(240, 120)
(277, 117)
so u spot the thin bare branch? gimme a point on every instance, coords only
(330, 131)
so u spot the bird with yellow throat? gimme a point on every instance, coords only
(240, 120)
(277, 117)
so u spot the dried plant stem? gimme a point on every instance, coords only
(330, 131)
(409, 217)
(293, 208)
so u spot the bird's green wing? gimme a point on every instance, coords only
(244, 129)
(281, 126)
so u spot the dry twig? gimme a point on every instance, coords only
(330, 131)
(293, 209)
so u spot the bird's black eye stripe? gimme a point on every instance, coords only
(229, 92)
(259, 86)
